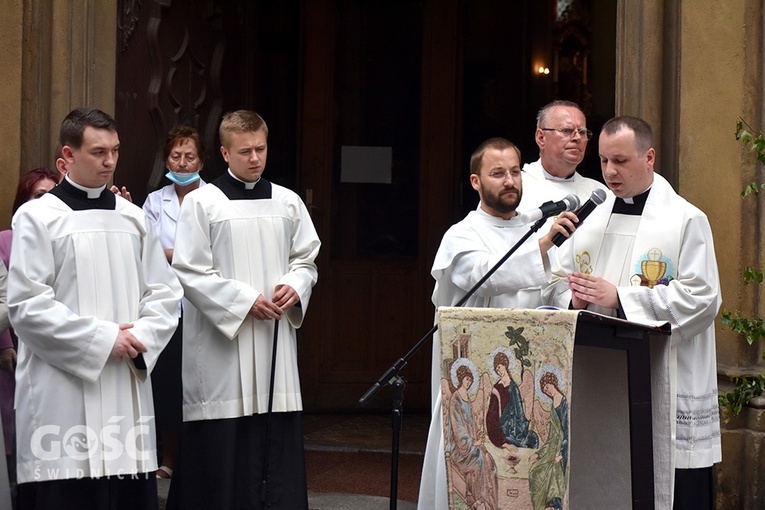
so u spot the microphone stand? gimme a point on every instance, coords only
(398, 384)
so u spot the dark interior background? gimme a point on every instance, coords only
(386, 73)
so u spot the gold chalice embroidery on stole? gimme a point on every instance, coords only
(653, 269)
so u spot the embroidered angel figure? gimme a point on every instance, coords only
(474, 474)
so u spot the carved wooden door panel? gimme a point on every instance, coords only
(189, 62)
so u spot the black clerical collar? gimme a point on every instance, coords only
(635, 208)
(235, 189)
(78, 199)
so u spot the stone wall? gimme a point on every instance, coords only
(741, 479)
(57, 55)
(11, 23)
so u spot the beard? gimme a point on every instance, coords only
(502, 203)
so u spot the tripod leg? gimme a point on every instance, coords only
(398, 386)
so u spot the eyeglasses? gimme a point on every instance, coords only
(569, 132)
(502, 175)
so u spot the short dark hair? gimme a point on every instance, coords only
(73, 126)
(183, 132)
(642, 130)
(28, 181)
(499, 144)
(552, 104)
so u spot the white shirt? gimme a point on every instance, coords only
(162, 208)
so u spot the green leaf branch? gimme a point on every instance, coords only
(752, 329)
(744, 390)
(755, 142)
(520, 345)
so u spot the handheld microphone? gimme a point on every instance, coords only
(569, 203)
(597, 197)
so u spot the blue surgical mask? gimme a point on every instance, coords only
(182, 179)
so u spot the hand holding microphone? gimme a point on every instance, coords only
(597, 197)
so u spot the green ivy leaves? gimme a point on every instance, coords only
(755, 143)
(751, 328)
(745, 389)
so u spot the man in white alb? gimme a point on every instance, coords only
(647, 255)
(245, 252)
(467, 251)
(562, 137)
(93, 302)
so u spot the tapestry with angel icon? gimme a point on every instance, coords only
(506, 387)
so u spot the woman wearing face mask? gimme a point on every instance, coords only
(184, 157)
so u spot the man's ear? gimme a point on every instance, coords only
(539, 137)
(61, 166)
(224, 152)
(475, 181)
(67, 154)
(650, 158)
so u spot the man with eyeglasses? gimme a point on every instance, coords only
(562, 137)
(467, 251)
(647, 255)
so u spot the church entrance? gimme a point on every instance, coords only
(373, 110)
